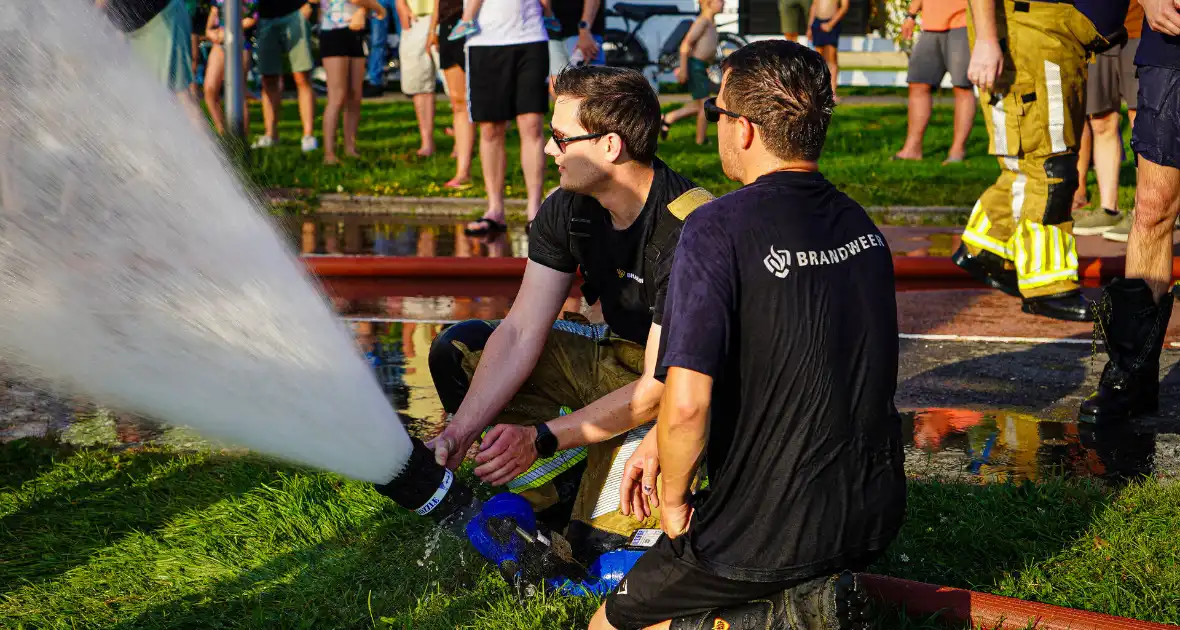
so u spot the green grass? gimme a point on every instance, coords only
(162, 539)
(860, 142)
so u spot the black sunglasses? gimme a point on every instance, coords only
(561, 140)
(713, 112)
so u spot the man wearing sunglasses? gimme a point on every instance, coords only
(571, 400)
(779, 355)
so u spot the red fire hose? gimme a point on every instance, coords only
(991, 611)
(926, 268)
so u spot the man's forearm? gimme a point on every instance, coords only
(983, 13)
(915, 7)
(506, 362)
(590, 11)
(618, 412)
(371, 5)
(682, 434)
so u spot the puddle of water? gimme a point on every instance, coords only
(395, 320)
(980, 446)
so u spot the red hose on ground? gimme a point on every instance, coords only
(991, 611)
(905, 267)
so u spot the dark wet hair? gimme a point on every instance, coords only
(786, 89)
(615, 100)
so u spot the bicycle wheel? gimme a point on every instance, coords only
(623, 51)
(727, 44)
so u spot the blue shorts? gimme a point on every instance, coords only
(820, 37)
(1156, 135)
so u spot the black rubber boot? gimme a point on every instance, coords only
(837, 602)
(1132, 325)
(1070, 306)
(987, 268)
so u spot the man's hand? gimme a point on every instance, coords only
(681, 74)
(987, 63)
(587, 45)
(828, 26)
(305, 11)
(451, 446)
(638, 489)
(507, 451)
(807, 34)
(1162, 16)
(907, 29)
(675, 518)
(432, 41)
(407, 20)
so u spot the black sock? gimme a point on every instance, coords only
(1113, 213)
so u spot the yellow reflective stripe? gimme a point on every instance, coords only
(545, 470)
(988, 243)
(1042, 279)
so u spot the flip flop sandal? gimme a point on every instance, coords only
(454, 186)
(490, 226)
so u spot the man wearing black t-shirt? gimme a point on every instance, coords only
(583, 25)
(779, 357)
(572, 399)
(1133, 313)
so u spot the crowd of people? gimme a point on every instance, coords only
(740, 398)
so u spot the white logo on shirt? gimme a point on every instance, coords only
(623, 588)
(778, 262)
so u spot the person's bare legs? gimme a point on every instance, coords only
(337, 71)
(1149, 248)
(306, 102)
(532, 158)
(464, 128)
(702, 123)
(424, 112)
(195, 53)
(1081, 196)
(918, 117)
(832, 56)
(1107, 155)
(214, 82)
(964, 120)
(272, 100)
(492, 157)
(352, 104)
(689, 109)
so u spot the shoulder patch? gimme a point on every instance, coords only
(683, 205)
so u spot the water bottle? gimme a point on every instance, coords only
(577, 58)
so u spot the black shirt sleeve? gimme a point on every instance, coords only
(701, 297)
(549, 235)
(663, 277)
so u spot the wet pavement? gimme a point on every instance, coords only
(987, 392)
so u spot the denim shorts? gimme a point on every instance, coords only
(1156, 135)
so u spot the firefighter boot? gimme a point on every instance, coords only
(1132, 325)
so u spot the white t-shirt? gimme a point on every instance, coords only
(507, 22)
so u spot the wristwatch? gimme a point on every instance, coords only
(583, 25)
(911, 16)
(546, 442)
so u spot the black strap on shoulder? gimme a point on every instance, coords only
(581, 228)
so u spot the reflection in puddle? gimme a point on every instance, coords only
(981, 446)
(1011, 445)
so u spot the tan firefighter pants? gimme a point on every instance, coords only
(1034, 117)
(576, 367)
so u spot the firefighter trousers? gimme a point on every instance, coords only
(579, 364)
(1034, 116)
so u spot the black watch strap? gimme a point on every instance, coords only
(546, 442)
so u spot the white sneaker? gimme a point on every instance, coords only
(309, 144)
(263, 142)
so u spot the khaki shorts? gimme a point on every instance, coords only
(792, 15)
(419, 69)
(165, 45)
(1113, 80)
(285, 39)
